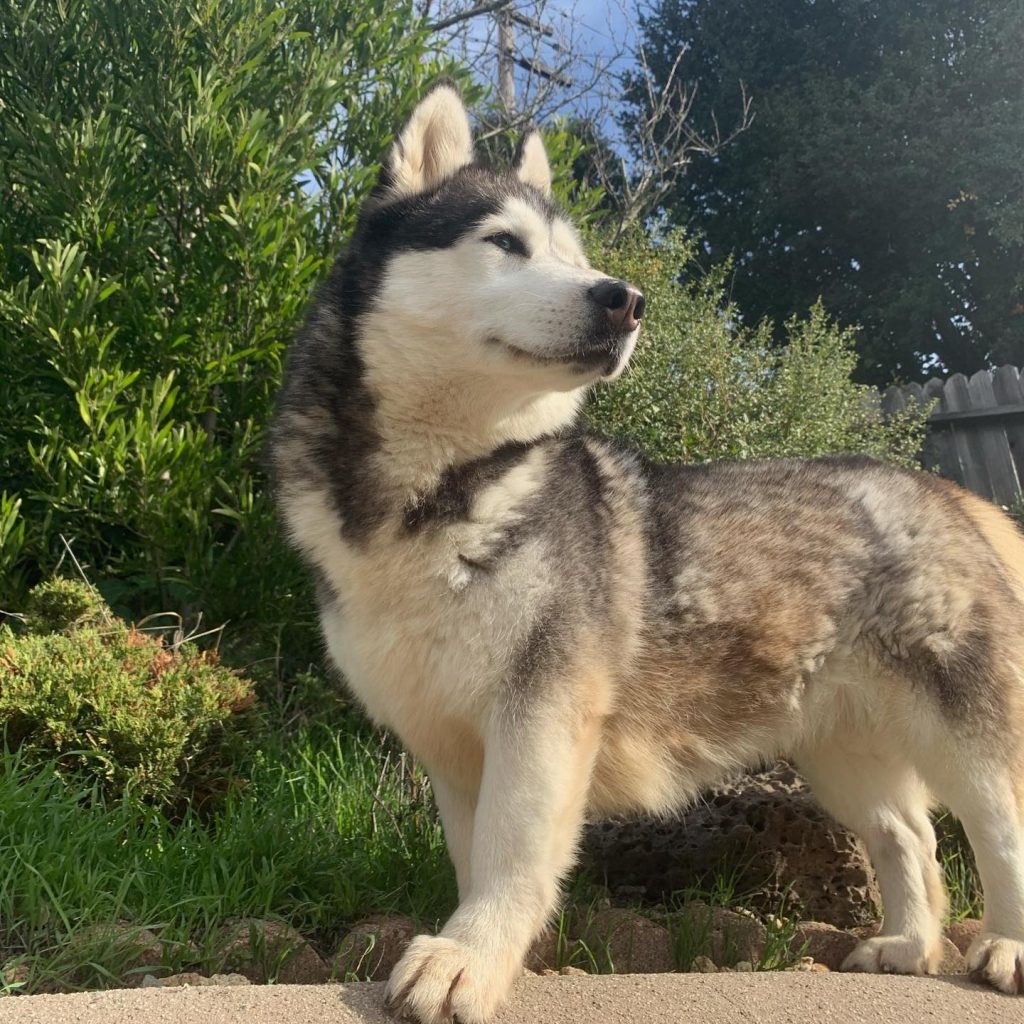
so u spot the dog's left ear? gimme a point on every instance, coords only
(434, 144)
(531, 162)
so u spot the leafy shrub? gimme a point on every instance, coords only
(174, 179)
(703, 386)
(124, 706)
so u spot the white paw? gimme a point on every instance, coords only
(891, 954)
(439, 980)
(998, 961)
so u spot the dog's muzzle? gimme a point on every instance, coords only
(622, 303)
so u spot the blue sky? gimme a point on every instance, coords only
(596, 28)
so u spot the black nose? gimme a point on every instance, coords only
(623, 303)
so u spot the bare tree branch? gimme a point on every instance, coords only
(472, 12)
(567, 66)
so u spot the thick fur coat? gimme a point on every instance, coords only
(558, 628)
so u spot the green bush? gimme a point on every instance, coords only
(702, 385)
(123, 706)
(174, 178)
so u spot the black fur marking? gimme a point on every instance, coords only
(325, 377)
(452, 499)
(543, 648)
(325, 372)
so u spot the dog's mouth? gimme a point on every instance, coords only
(601, 354)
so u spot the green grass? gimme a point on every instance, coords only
(331, 827)
(334, 823)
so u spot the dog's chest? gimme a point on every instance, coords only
(421, 636)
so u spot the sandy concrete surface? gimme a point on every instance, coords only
(787, 998)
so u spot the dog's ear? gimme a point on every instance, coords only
(531, 162)
(435, 142)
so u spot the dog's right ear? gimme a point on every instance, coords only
(433, 145)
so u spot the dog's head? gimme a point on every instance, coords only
(460, 272)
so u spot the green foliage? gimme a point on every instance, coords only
(108, 700)
(702, 386)
(882, 170)
(328, 829)
(174, 178)
(61, 605)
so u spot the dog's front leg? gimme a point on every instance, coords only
(537, 766)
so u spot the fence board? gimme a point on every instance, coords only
(1006, 384)
(957, 398)
(975, 430)
(991, 435)
(939, 449)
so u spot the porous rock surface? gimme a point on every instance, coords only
(767, 829)
(270, 950)
(371, 948)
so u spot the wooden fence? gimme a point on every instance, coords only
(976, 430)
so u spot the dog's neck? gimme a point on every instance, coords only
(429, 428)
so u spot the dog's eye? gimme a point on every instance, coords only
(508, 242)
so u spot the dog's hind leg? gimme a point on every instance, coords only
(987, 795)
(878, 795)
(537, 765)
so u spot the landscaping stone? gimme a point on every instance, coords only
(138, 946)
(953, 961)
(15, 973)
(543, 954)
(264, 950)
(193, 979)
(371, 948)
(768, 827)
(624, 941)
(963, 933)
(810, 965)
(727, 937)
(126, 947)
(823, 943)
(703, 965)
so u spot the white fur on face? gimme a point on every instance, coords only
(476, 312)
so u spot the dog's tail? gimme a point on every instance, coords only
(1007, 541)
(1002, 534)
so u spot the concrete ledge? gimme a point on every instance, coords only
(786, 998)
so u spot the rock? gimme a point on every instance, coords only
(725, 936)
(263, 951)
(624, 942)
(807, 963)
(823, 943)
(963, 933)
(744, 967)
(953, 961)
(769, 828)
(15, 973)
(371, 948)
(191, 978)
(703, 965)
(568, 972)
(543, 954)
(125, 947)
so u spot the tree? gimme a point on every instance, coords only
(883, 171)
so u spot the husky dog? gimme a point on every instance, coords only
(558, 628)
